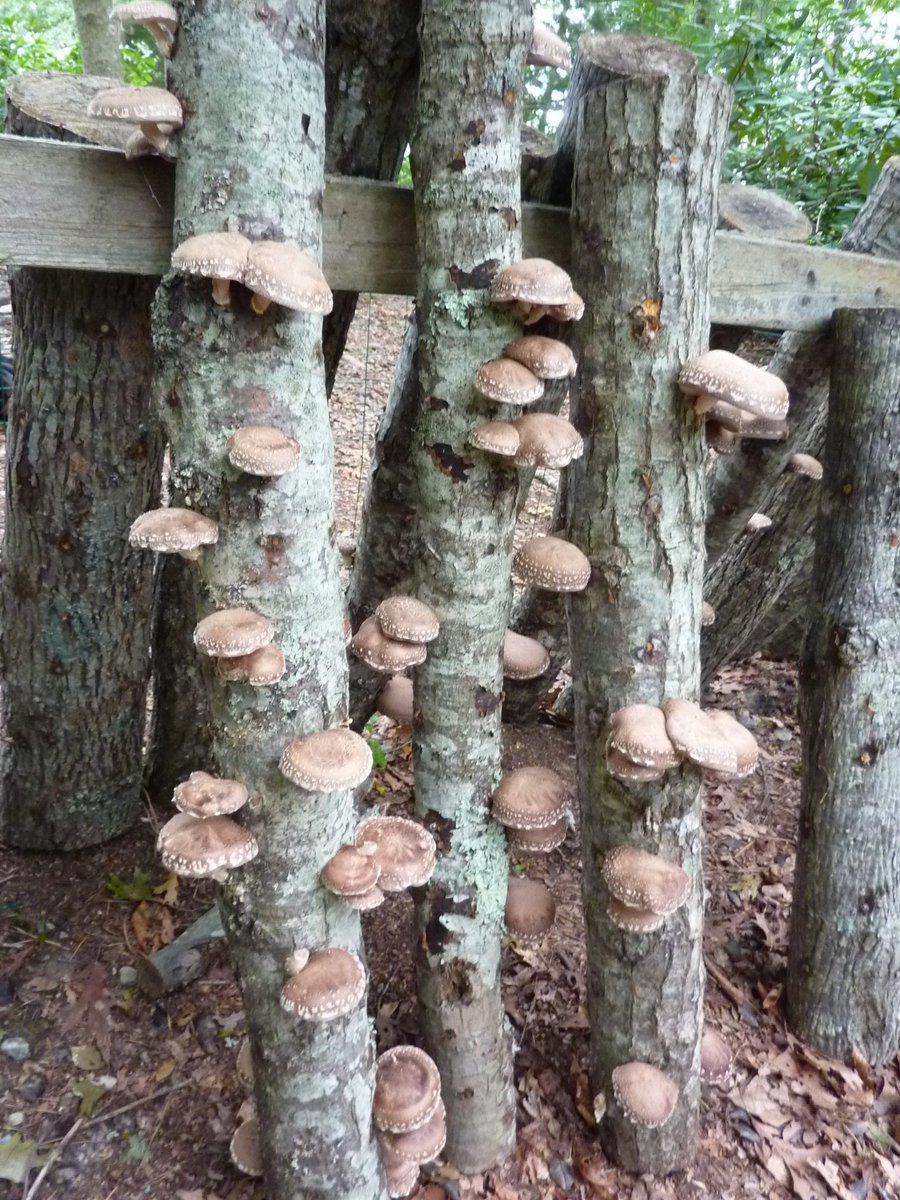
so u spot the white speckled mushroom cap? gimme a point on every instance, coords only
(632, 919)
(205, 795)
(233, 631)
(805, 464)
(548, 49)
(621, 767)
(173, 530)
(508, 382)
(697, 738)
(404, 850)
(260, 668)
(646, 1094)
(572, 309)
(407, 1089)
(720, 375)
(244, 1148)
(534, 280)
(395, 700)
(420, 1145)
(365, 902)
(639, 732)
(149, 105)
(330, 985)
(645, 880)
(715, 1058)
(212, 255)
(546, 440)
(495, 437)
(282, 273)
(160, 20)
(332, 760)
(351, 872)
(406, 619)
(743, 741)
(197, 847)
(548, 358)
(538, 841)
(523, 657)
(263, 450)
(552, 563)
(530, 907)
(530, 798)
(372, 645)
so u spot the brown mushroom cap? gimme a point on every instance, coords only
(281, 273)
(147, 105)
(697, 738)
(538, 841)
(366, 900)
(523, 657)
(400, 1179)
(554, 564)
(174, 531)
(216, 256)
(351, 872)
(508, 382)
(537, 281)
(720, 375)
(645, 880)
(232, 632)
(263, 450)
(546, 440)
(805, 464)
(330, 985)
(530, 907)
(159, 19)
(743, 741)
(633, 919)
(371, 644)
(332, 760)
(530, 798)
(407, 1089)
(621, 767)
(194, 847)
(495, 437)
(646, 1094)
(419, 1145)
(260, 668)
(245, 1150)
(395, 700)
(204, 795)
(404, 850)
(545, 357)
(548, 49)
(406, 619)
(639, 732)
(715, 1058)
(572, 309)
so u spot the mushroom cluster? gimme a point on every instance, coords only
(644, 889)
(389, 854)
(535, 288)
(409, 1115)
(241, 641)
(646, 741)
(737, 399)
(202, 840)
(532, 803)
(396, 637)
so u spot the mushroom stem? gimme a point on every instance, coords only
(221, 292)
(191, 555)
(163, 37)
(155, 136)
(258, 303)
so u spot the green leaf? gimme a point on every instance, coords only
(137, 1149)
(137, 888)
(378, 755)
(89, 1094)
(17, 1156)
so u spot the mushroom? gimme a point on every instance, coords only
(645, 880)
(205, 795)
(404, 850)
(232, 632)
(719, 375)
(523, 657)
(220, 257)
(805, 464)
(244, 1064)
(260, 668)
(263, 450)
(508, 382)
(174, 531)
(281, 273)
(495, 437)
(395, 700)
(530, 907)
(538, 841)
(419, 1145)
(332, 760)
(758, 522)
(697, 738)
(639, 733)
(528, 288)
(530, 798)
(571, 310)
(244, 1148)
(646, 1095)
(545, 357)
(381, 653)
(707, 614)
(352, 871)
(329, 985)
(157, 111)
(546, 440)
(745, 748)
(138, 145)
(720, 438)
(160, 21)
(554, 564)
(633, 919)
(400, 1179)
(548, 49)
(620, 766)
(198, 847)
(406, 619)
(407, 1089)
(715, 1058)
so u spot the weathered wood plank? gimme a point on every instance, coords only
(84, 207)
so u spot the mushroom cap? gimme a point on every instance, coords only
(762, 429)
(330, 985)
(196, 847)
(523, 657)
(639, 732)
(646, 1094)
(212, 255)
(548, 49)
(139, 145)
(351, 872)
(400, 1179)
(284, 274)
(231, 632)
(371, 644)
(244, 1148)
(715, 1058)
(633, 919)
(554, 564)
(260, 668)
(546, 440)
(534, 280)
(406, 619)
(508, 382)
(707, 614)
(538, 841)
(332, 760)
(743, 741)
(404, 850)
(244, 1063)
(548, 358)
(366, 900)
(572, 309)
(173, 530)
(805, 464)
(495, 437)
(620, 766)
(697, 738)
(395, 700)
(645, 880)
(263, 450)
(530, 798)
(407, 1089)
(149, 105)
(146, 10)
(530, 907)
(723, 376)
(419, 1145)
(758, 522)
(204, 795)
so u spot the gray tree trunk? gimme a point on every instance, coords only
(465, 152)
(843, 988)
(647, 165)
(275, 555)
(99, 39)
(754, 578)
(84, 452)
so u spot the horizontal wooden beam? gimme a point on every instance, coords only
(87, 208)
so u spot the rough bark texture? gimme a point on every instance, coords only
(465, 155)
(752, 577)
(647, 166)
(260, 168)
(84, 453)
(99, 38)
(844, 962)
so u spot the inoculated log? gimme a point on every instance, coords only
(843, 987)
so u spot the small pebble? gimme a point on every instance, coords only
(15, 1119)
(16, 1048)
(33, 1088)
(127, 976)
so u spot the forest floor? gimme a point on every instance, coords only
(152, 1083)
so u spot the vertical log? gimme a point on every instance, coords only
(647, 164)
(843, 988)
(98, 37)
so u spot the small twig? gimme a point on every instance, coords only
(54, 1155)
(734, 994)
(124, 1108)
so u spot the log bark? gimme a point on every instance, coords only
(647, 165)
(843, 987)
(465, 158)
(222, 368)
(99, 39)
(84, 454)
